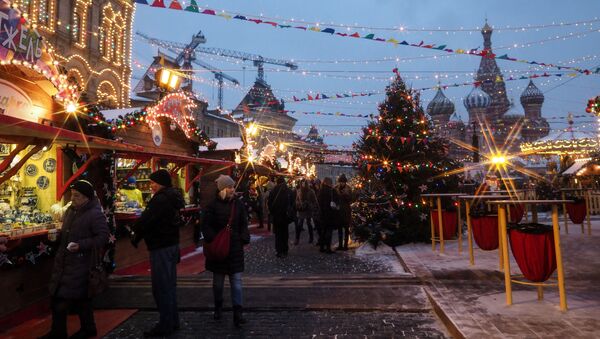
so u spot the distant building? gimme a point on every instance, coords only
(92, 41)
(489, 102)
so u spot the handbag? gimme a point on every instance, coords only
(98, 277)
(218, 248)
(332, 204)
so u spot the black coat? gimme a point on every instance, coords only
(86, 226)
(328, 215)
(215, 217)
(280, 204)
(160, 221)
(346, 198)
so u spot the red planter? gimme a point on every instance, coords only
(577, 211)
(485, 232)
(517, 212)
(534, 251)
(450, 220)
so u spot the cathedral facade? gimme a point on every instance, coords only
(487, 104)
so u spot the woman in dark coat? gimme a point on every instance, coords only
(223, 211)
(84, 232)
(328, 202)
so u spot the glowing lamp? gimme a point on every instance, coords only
(71, 107)
(168, 79)
(498, 160)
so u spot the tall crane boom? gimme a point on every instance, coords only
(258, 60)
(186, 54)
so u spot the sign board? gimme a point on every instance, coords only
(15, 103)
(17, 38)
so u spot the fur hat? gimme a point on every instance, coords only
(162, 177)
(84, 187)
(224, 181)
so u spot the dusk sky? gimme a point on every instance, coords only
(317, 53)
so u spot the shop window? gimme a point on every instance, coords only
(76, 27)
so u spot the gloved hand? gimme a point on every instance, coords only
(135, 238)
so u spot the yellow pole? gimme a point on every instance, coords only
(540, 290)
(459, 228)
(441, 224)
(432, 226)
(469, 232)
(565, 213)
(588, 212)
(559, 263)
(504, 244)
(500, 250)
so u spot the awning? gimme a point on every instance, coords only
(175, 158)
(15, 130)
(579, 163)
(225, 144)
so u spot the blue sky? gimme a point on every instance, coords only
(563, 95)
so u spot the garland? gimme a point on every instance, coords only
(194, 8)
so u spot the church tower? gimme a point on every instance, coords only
(491, 80)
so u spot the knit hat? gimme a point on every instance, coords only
(224, 181)
(161, 177)
(84, 187)
(131, 180)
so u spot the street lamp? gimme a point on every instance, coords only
(168, 79)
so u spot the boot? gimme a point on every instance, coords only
(238, 319)
(218, 310)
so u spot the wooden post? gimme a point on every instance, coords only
(441, 224)
(504, 245)
(559, 263)
(469, 232)
(432, 225)
(564, 205)
(588, 212)
(459, 228)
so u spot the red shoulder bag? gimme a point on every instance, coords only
(218, 248)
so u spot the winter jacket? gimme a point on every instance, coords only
(307, 206)
(280, 204)
(87, 227)
(346, 198)
(329, 216)
(160, 221)
(215, 217)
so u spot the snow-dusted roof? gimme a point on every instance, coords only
(225, 144)
(111, 114)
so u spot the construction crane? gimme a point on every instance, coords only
(186, 55)
(258, 60)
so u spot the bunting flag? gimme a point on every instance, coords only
(193, 7)
(321, 96)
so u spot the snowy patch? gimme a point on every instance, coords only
(383, 254)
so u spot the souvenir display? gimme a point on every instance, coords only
(43, 182)
(49, 165)
(31, 170)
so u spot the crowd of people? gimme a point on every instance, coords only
(322, 206)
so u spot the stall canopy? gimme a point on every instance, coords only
(14, 130)
(579, 163)
(225, 144)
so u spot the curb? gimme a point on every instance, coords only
(450, 325)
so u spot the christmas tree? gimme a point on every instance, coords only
(398, 160)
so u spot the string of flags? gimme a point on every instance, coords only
(194, 8)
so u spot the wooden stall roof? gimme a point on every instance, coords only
(15, 130)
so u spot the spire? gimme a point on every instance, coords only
(486, 31)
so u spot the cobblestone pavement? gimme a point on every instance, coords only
(293, 324)
(305, 295)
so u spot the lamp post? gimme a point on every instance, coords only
(167, 80)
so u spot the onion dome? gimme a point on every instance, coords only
(532, 95)
(477, 99)
(440, 105)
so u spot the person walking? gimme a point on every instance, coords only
(227, 211)
(84, 233)
(159, 227)
(279, 207)
(306, 204)
(345, 212)
(328, 207)
(316, 187)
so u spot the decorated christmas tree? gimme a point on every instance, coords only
(398, 160)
